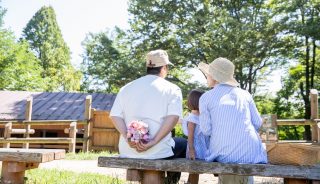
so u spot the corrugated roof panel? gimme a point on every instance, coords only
(50, 105)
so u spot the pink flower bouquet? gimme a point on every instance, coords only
(138, 131)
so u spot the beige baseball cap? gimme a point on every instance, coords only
(157, 58)
(221, 70)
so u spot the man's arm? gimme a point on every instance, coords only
(122, 128)
(167, 126)
(120, 125)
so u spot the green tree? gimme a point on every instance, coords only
(107, 63)
(19, 68)
(194, 31)
(2, 13)
(44, 36)
(300, 21)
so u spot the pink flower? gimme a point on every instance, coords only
(138, 131)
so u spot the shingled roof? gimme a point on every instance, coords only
(51, 105)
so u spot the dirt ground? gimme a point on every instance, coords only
(91, 166)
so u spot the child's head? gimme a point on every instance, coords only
(193, 99)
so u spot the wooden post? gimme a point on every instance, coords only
(134, 175)
(13, 172)
(87, 117)
(314, 115)
(73, 135)
(7, 133)
(154, 177)
(28, 115)
(91, 123)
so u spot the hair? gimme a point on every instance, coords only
(154, 70)
(193, 99)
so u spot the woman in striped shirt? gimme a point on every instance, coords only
(229, 116)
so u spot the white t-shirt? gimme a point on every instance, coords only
(149, 99)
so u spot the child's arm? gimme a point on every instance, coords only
(191, 127)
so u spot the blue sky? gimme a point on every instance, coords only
(76, 18)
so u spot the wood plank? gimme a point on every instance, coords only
(36, 140)
(87, 116)
(22, 131)
(196, 166)
(31, 155)
(21, 166)
(295, 122)
(28, 117)
(314, 115)
(7, 134)
(104, 130)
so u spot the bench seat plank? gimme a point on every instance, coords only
(31, 155)
(196, 166)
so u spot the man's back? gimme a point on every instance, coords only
(149, 99)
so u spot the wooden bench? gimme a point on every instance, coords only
(147, 170)
(16, 161)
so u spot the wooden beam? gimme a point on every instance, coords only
(73, 136)
(87, 116)
(28, 116)
(197, 166)
(105, 130)
(53, 122)
(36, 140)
(22, 131)
(295, 122)
(78, 131)
(314, 115)
(7, 134)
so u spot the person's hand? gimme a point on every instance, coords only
(192, 154)
(140, 146)
(132, 144)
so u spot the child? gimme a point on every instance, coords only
(197, 142)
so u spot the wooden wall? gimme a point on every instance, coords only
(104, 135)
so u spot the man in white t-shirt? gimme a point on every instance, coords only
(155, 101)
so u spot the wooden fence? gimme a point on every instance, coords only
(96, 131)
(271, 123)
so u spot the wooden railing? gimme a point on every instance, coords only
(28, 123)
(271, 122)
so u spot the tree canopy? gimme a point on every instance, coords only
(44, 36)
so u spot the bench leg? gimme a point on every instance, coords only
(154, 177)
(13, 172)
(134, 175)
(295, 181)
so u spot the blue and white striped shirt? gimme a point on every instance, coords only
(229, 116)
(200, 141)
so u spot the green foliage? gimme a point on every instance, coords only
(44, 36)
(194, 31)
(2, 13)
(291, 132)
(107, 63)
(53, 176)
(19, 68)
(88, 155)
(178, 131)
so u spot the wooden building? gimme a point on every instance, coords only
(49, 115)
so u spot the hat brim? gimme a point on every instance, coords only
(232, 82)
(204, 68)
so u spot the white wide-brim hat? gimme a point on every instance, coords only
(157, 58)
(221, 70)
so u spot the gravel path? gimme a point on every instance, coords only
(91, 166)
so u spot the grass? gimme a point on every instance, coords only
(54, 176)
(88, 155)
